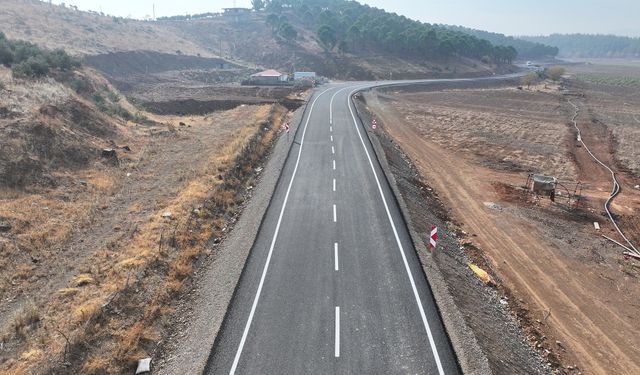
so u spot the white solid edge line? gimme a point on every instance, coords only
(337, 345)
(335, 255)
(400, 247)
(273, 243)
(335, 216)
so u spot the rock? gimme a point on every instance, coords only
(83, 182)
(5, 227)
(637, 186)
(144, 365)
(110, 155)
(167, 215)
(559, 343)
(182, 124)
(126, 148)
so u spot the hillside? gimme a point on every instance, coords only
(526, 49)
(337, 38)
(587, 45)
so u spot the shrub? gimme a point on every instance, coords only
(32, 67)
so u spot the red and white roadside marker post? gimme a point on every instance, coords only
(433, 237)
(374, 124)
(286, 129)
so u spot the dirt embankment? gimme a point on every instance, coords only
(93, 264)
(573, 293)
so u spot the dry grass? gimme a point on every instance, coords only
(87, 33)
(98, 311)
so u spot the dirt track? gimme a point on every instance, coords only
(547, 258)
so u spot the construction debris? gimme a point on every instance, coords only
(144, 365)
(482, 274)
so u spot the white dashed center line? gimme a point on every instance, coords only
(331, 138)
(335, 255)
(335, 216)
(334, 184)
(337, 331)
(333, 150)
(334, 165)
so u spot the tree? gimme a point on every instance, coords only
(327, 37)
(287, 31)
(273, 20)
(554, 72)
(257, 4)
(529, 79)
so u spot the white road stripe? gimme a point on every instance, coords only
(334, 165)
(333, 150)
(273, 243)
(400, 247)
(331, 129)
(335, 215)
(334, 184)
(335, 256)
(337, 345)
(331, 138)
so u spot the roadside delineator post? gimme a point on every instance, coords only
(434, 237)
(286, 129)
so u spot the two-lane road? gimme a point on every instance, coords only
(333, 284)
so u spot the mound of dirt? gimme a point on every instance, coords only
(56, 138)
(123, 64)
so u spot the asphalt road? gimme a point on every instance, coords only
(333, 283)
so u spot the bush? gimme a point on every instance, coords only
(554, 72)
(27, 60)
(33, 67)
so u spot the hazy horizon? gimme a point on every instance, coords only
(617, 17)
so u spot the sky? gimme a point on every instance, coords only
(511, 17)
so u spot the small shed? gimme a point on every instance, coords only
(269, 77)
(543, 185)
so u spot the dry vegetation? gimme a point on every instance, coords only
(562, 280)
(82, 33)
(96, 252)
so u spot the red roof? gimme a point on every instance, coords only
(268, 73)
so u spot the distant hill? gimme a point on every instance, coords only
(526, 49)
(336, 38)
(587, 45)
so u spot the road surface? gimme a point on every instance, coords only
(333, 284)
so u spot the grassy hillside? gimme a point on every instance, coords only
(586, 45)
(87, 33)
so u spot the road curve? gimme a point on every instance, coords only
(333, 283)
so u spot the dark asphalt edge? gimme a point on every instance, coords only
(267, 184)
(470, 356)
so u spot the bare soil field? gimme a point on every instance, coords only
(574, 293)
(95, 252)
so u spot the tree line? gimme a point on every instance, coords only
(588, 45)
(526, 49)
(348, 26)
